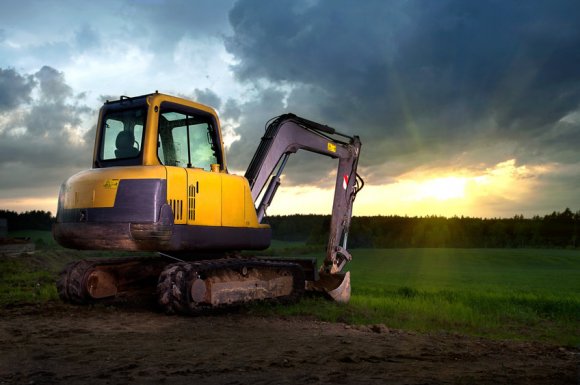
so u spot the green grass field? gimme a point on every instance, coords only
(496, 293)
(39, 237)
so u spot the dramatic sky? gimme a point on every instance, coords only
(463, 107)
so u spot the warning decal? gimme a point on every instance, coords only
(344, 181)
(111, 183)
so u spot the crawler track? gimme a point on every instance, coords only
(184, 287)
(78, 283)
(69, 285)
(198, 287)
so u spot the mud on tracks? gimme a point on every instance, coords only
(56, 343)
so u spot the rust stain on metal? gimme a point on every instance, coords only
(241, 286)
(101, 284)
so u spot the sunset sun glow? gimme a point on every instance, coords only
(462, 192)
(441, 189)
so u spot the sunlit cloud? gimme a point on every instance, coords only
(113, 69)
(459, 192)
(441, 192)
(28, 204)
(303, 200)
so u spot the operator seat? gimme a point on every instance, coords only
(125, 145)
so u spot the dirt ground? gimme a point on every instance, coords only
(57, 343)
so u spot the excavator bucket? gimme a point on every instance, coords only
(334, 286)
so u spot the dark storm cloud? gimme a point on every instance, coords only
(15, 89)
(232, 110)
(41, 140)
(52, 85)
(302, 168)
(198, 17)
(55, 110)
(208, 97)
(253, 119)
(413, 74)
(169, 21)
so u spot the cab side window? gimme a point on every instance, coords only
(186, 140)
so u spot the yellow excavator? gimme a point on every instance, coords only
(159, 183)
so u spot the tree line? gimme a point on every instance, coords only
(558, 229)
(29, 220)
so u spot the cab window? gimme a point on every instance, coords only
(186, 140)
(122, 134)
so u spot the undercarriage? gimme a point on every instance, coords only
(195, 287)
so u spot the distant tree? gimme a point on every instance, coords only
(29, 220)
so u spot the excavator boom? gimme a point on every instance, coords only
(286, 135)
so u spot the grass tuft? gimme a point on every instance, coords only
(22, 283)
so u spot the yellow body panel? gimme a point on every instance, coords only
(250, 215)
(176, 193)
(197, 197)
(210, 198)
(98, 187)
(233, 210)
(204, 197)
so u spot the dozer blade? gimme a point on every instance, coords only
(335, 286)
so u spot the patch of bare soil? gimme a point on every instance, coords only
(58, 343)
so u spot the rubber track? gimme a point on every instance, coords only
(70, 286)
(173, 288)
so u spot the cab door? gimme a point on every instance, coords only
(187, 148)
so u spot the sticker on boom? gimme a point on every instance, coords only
(331, 147)
(111, 184)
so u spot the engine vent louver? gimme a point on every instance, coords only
(177, 207)
(191, 193)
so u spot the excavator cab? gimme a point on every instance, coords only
(159, 182)
(185, 134)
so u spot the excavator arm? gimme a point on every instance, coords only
(286, 135)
